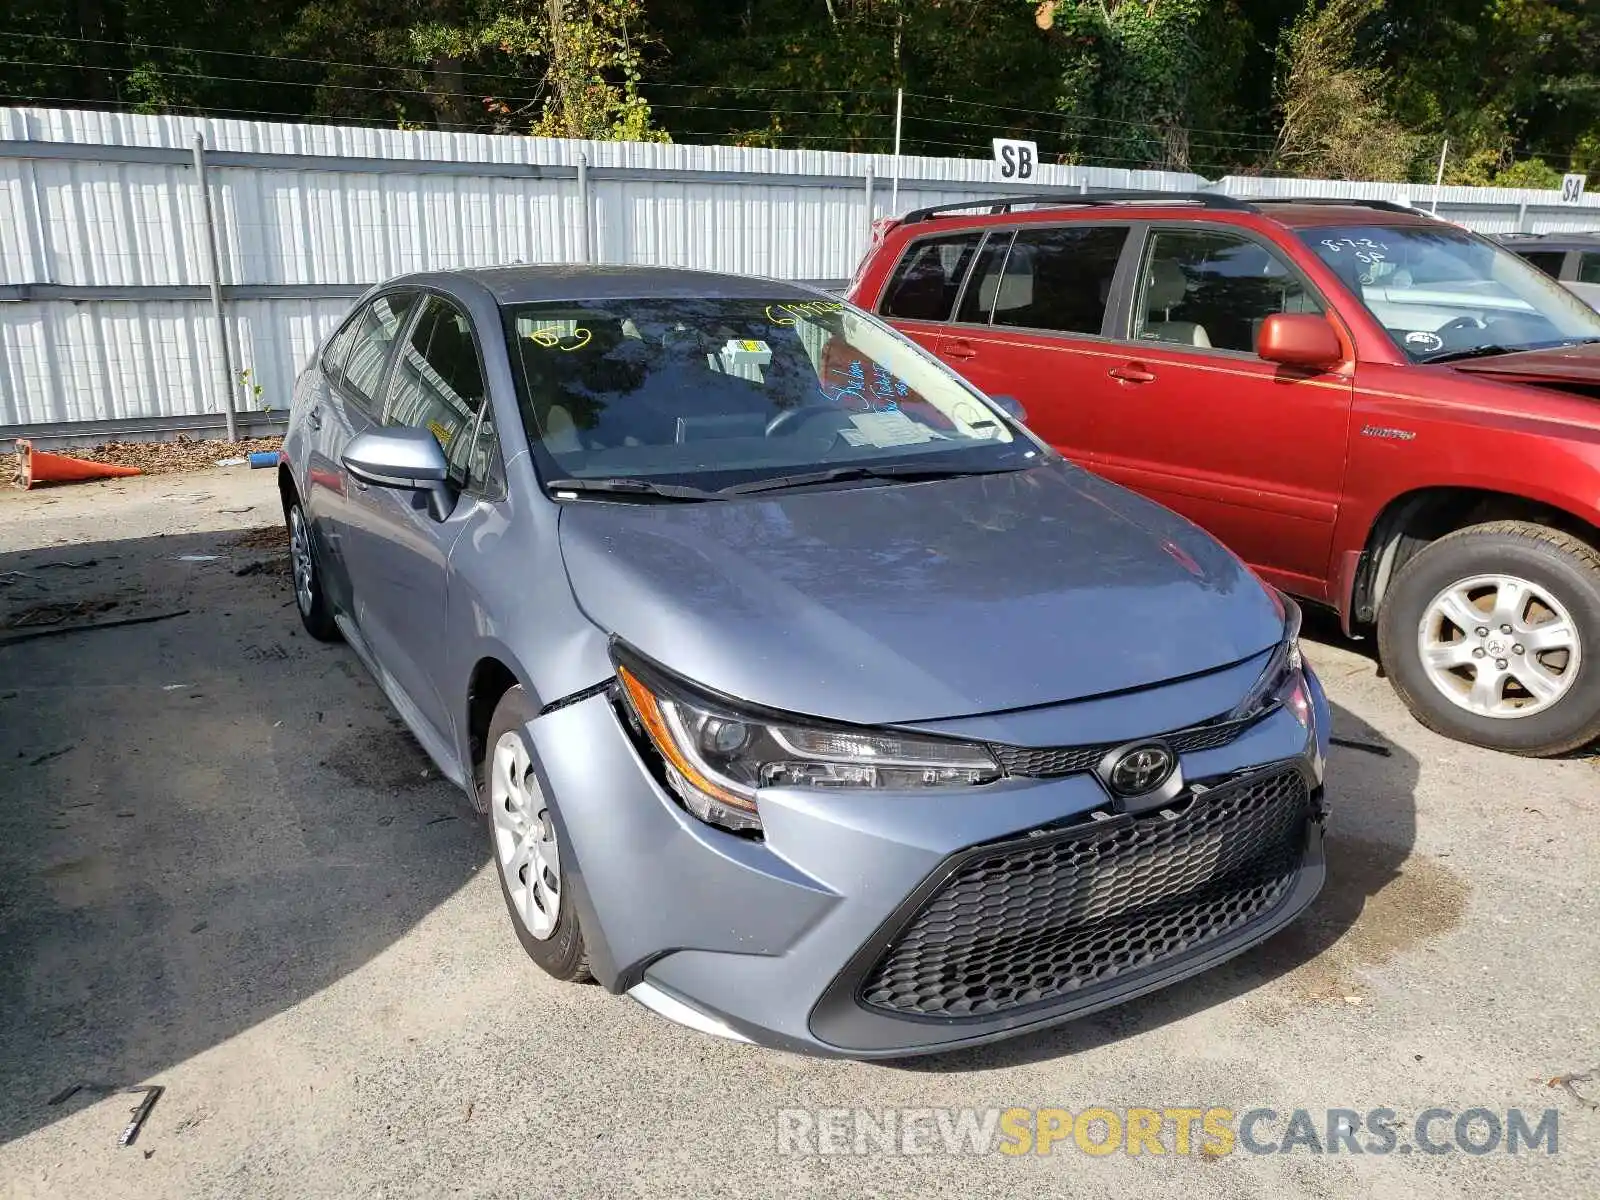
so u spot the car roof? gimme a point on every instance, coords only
(534, 283)
(1551, 241)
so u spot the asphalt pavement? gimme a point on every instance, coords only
(226, 868)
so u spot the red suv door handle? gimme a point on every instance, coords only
(961, 351)
(1131, 373)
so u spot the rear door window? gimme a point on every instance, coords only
(926, 282)
(381, 322)
(1058, 279)
(983, 286)
(1589, 267)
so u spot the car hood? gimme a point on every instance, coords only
(1560, 364)
(907, 602)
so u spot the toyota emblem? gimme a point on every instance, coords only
(1140, 770)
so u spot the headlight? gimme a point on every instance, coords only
(716, 758)
(1282, 683)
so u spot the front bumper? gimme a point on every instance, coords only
(774, 940)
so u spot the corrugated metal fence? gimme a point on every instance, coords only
(105, 272)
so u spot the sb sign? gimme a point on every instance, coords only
(1016, 160)
(1572, 188)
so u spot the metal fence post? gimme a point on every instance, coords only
(872, 183)
(586, 203)
(214, 266)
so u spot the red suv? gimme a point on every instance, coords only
(1379, 411)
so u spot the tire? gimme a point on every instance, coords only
(508, 781)
(310, 600)
(1548, 584)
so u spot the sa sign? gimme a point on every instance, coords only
(1016, 160)
(1571, 188)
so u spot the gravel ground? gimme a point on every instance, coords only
(165, 458)
(226, 869)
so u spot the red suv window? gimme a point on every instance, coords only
(1057, 279)
(925, 283)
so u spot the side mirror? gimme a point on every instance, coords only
(1012, 407)
(404, 459)
(1299, 340)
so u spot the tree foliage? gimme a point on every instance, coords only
(1327, 87)
(1333, 122)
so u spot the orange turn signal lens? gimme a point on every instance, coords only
(657, 725)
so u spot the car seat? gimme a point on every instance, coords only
(1165, 289)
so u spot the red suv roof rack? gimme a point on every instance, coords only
(1381, 205)
(1218, 200)
(1005, 204)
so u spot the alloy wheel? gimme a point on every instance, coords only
(300, 556)
(1499, 646)
(524, 837)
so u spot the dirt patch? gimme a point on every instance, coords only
(79, 882)
(180, 454)
(266, 566)
(1394, 911)
(268, 537)
(381, 759)
(55, 614)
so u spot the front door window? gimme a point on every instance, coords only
(1212, 289)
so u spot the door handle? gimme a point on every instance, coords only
(961, 351)
(1131, 373)
(314, 418)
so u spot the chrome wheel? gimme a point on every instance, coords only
(524, 837)
(1499, 646)
(300, 556)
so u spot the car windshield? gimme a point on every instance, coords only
(713, 393)
(1443, 293)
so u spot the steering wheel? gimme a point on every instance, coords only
(790, 420)
(1458, 324)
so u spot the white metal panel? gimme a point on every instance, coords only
(117, 223)
(274, 340)
(125, 224)
(104, 361)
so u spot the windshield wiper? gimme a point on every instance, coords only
(639, 488)
(1496, 348)
(837, 474)
(1476, 352)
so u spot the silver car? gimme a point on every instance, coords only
(809, 698)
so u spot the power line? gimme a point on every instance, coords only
(644, 86)
(204, 110)
(777, 112)
(1039, 112)
(1075, 134)
(342, 87)
(282, 58)
(324, 62)
(427, 92)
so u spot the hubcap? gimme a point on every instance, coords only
(300, 554)
(524, 837)
(1499, 646)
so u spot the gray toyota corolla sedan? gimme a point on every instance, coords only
(810, 699)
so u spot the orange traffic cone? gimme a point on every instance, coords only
(38, 466)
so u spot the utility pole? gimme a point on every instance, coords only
(899, 115)
(1438, 180)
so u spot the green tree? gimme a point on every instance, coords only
(1333, 122)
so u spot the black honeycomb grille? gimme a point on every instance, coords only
(1027, 924)
(1051, 761)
